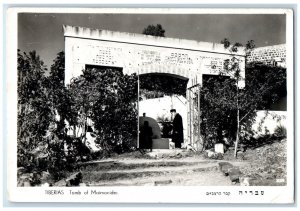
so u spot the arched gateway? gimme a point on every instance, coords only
(142, 54)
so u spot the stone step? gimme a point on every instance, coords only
(147, 171)
(111, 165)
(202, 178)
(113, 175)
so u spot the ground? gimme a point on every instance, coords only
(162, 167)
(261, 166)
(266, 164)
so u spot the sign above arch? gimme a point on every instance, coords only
(142, 54)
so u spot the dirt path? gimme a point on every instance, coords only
(188, 179)
(128, 171)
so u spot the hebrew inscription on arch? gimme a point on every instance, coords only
(150, 57)
(98, 54)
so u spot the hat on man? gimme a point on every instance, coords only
(173, 110)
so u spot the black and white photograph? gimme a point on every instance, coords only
(157, 99)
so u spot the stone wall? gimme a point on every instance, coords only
(271, 55)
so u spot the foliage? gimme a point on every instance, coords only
(228, 111)
(146, 94)
(34, 108)
(154, 30)
(217, 110)
(162, 84)
(108, 98)
(163, 118)
(63, 149)
(61, 98)
(265, 83)
(280, 131)
(165, 124)
(43, 106)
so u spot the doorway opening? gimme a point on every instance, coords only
(158, 94)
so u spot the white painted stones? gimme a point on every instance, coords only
(219, 148)
(211, 154)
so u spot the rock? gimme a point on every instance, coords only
(230, 149)
(162, 182)
(209, 153)
(172, 145)
(189, 171)
(20, 183)
(242, 147)
(45, 177)
(82, 184)
(213, 155)
(245, 181)
(178, 155)
(234, 174)
(224, 167)
(20, 171)
(45, 185)
(74, 179)
(215, 168)
(190, 148)
(26, 184)
(265, 182)
(26, 176)
(24, 180)
(240, 155)
(61, 183)
(280, 180)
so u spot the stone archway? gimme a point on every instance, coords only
(142, 54)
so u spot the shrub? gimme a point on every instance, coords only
(280, 131)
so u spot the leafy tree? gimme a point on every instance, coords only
(34, 108)
(62, 103)
(154, 30)
(232, 68)
(43, 105)
(217, 109)
(108, 98)
(268, 81)
(60, 96)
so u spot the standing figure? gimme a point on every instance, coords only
(146, 136)
(177, 135)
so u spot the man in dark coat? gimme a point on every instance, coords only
(177, 135)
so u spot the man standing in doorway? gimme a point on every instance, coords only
(177, 135)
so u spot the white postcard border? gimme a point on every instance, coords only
(159, 194)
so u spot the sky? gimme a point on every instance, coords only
(43, 32)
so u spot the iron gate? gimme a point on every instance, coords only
(194, 117)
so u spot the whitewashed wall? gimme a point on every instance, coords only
(161, 107)
(269, 120)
